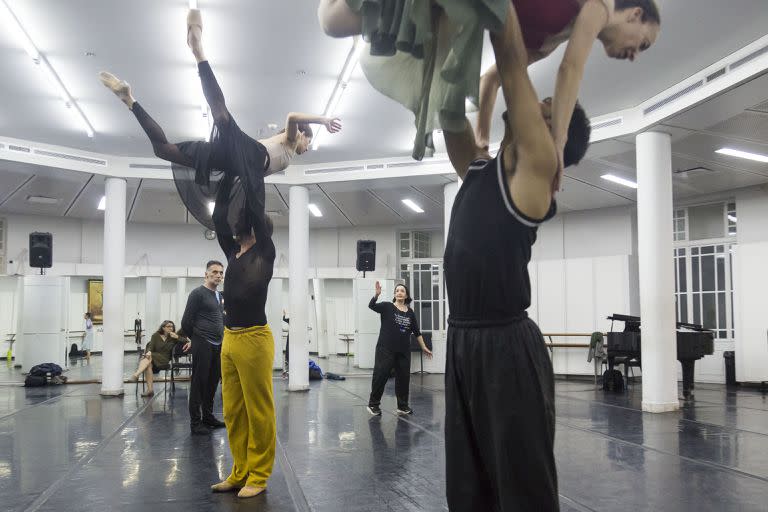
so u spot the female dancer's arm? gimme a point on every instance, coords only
(590, 21)
(377, 307)
(294, 119)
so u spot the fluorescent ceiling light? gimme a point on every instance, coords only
(102, 203)
(315, 210)
(42, 200)
(732, 218)
(620, 181)
(211, 206)
(757, 157)
(341, 84)
(413, 206)
(10, 20)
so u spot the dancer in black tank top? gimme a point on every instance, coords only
(499, 387)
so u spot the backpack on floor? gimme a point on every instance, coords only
(73, 352)
(315, 373)
(44, 369)
(33, 381)
(613, 380)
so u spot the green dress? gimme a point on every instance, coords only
(427, 62)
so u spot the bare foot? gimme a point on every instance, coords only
(195, 33)
(249, 491)
(121, 88)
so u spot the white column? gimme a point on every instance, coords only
(656, 272)
(298, 262)
(152, 292)
(114, 287)
(181, 299)
(318, 288)
(449, 196)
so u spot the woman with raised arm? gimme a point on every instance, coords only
(393, 349)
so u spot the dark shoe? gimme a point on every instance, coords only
(375, 410)
(214, 423)
(404, 411)
(200, 430)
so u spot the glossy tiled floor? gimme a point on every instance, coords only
(66, 448)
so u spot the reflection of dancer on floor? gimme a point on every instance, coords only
(393, 349)
(499, 385)
(230, 150)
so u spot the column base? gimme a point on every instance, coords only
(657, 407)
(112, 392)
(298, 387)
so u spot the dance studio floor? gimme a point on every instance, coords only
(66, 448)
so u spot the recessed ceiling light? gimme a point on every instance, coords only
(315, 210)
(211, 206)
(620, 181)
(413, 206)
(102, 203)
(757, 157)
(42, 200)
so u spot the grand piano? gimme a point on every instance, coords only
(693, 342)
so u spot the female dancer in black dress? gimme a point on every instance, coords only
(198, 166)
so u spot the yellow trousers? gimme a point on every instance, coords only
(249, 407)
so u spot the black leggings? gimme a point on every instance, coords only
(171, 152)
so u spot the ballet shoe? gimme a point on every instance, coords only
(194, 19)
(249, 491)
(120, 87)
(224, 486)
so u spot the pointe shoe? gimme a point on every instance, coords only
(121, 88)
(194, 19)
(249, 491)
(224, 486)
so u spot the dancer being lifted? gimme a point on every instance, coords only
(427, 55)
(198, 166)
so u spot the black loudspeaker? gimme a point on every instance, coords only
(40, 250)
(366, 255)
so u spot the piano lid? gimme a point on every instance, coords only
(636, 320)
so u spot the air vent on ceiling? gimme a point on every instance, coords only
(72, 158)
(334, 169)
(158, 167)
(2, 146)
(717, 74)
(692, 171)
(417, 164)
(20, 149)
(676, 96)
(374, 166)
(752, 56)
(616, 121)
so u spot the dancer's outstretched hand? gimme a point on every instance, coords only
(333, 125)
(378, 288)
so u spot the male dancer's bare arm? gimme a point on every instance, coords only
(530, 161)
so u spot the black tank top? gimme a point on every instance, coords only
(488, 250)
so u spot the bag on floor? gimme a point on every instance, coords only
(315, 373)
(613, 380)
(44, 369)
(333, 376)
(73, 352)
(33, 381)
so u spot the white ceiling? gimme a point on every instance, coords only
(257, 49)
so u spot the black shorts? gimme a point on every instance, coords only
(157, 369)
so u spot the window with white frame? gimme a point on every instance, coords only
(704, 266)
(424, 277)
